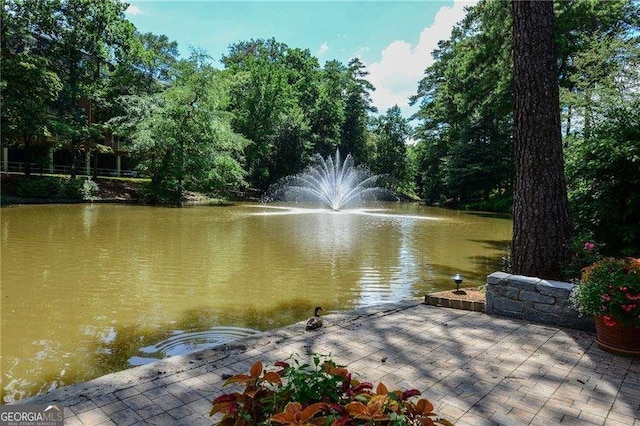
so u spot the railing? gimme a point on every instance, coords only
(58, 169)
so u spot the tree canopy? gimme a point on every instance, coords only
(464, 151)
(78, 70)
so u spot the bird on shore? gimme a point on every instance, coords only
(315, 321)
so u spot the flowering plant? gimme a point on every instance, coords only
(610, 288)
(585, 252)
(323, 394)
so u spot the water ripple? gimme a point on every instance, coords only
(186, 342)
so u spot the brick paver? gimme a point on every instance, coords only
(476, 369)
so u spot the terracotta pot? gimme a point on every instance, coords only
(619, 339)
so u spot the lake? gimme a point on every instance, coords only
(89, 289)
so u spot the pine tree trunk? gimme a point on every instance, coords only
(541, 222)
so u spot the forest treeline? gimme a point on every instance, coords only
(74, 70)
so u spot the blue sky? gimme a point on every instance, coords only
(393, 38)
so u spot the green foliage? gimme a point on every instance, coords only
(598, 48)
(39, 187)
(585, 252)
(308, 383)
(182, 136)
(464, 148)
(357, 105)
(289, 108)
(81, 189)
(29, 91)
(49, 187)
(260, 98)
(392, 131)
(499, 203)
(77, 51)
(318, 394)
(611, 288)
(195, 128)
(603, 180)
(327, 114)
(161, 192)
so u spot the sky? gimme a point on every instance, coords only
(394, 39)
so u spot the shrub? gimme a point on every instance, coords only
(161, 193)
(585, 251)
(39, 187)
(318, 394)
(89, 190)
(79, 189)
(56, 188)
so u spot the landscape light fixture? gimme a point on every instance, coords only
(457, 278)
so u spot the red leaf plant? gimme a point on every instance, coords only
(321, 393)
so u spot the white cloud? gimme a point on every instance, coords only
(134, 10)
(361, 51)
(401, 65)
(324, 48)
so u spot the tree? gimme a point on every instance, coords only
(81, 40)
(393, 131)
(328, 112)
(603, 178)
(593, 40)
(159, 56)
(29, 86)
(286, 105)
(29, 89)
(542, 226)
(260, 96)
(183, 137)
(357, 105)
(466, 109)
(601, 100)
(293, 139)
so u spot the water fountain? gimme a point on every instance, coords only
(332, 182)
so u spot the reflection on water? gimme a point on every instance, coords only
(86, 287)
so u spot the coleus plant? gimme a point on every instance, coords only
(318, 394)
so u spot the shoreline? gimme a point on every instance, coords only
(169, 365)
(79, 392)
(110, 191)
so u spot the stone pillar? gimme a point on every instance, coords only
(118, 165)
(88, 163)
(51, 165)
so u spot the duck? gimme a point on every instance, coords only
(315, 321)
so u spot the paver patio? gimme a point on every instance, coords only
(476, 369)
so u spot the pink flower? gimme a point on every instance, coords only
(588, 246)
(608, 321)
(624, 289)
(629, 308)
(632, 297)
(606, 297)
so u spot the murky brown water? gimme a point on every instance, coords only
(85, 287)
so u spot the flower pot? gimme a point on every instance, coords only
(618, 339)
